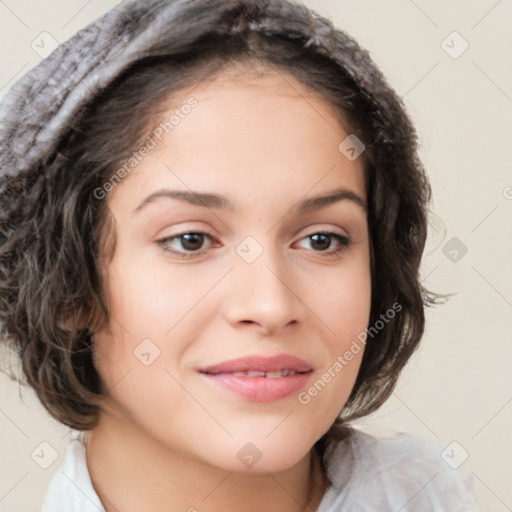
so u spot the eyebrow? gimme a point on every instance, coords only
(216, 201)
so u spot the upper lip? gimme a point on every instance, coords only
(259, 363)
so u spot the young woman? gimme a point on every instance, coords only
(212, 220)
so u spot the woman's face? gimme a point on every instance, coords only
(267, 269)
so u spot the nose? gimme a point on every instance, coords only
(264, 295)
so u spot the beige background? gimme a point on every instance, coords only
(458, 387)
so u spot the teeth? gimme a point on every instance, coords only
(269, 375)
(252, 373)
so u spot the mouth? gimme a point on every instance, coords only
(259, 378)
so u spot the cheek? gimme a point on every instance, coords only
(150, 300)
(344, 309)
(149, 305)
(343, 302)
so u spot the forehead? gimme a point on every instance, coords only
(250, 130)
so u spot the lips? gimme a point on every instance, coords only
(260, 364)
(259, 378)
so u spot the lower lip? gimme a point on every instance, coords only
(260, 389)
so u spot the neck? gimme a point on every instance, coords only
(131, 471)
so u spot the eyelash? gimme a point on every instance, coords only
(343, 241)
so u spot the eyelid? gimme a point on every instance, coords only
(322, 228)
(305, 233)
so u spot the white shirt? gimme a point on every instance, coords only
(405, 474)
(70, 489)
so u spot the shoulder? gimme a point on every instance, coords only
(405, 472)
(70, 488)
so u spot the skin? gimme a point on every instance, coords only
(166, 439)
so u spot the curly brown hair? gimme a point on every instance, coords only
(54, 232)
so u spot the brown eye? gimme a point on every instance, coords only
(322, 242)
(191, 241)
(185, 243)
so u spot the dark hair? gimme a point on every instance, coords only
(53, 230)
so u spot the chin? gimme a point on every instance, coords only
(259, 456)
